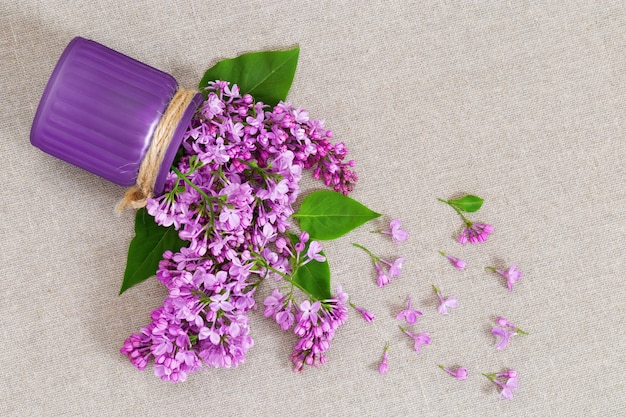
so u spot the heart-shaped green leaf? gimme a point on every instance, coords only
(146, 249)
(327, 215)
(468, 203)
(267, 76)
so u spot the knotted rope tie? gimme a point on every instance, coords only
(143, 189)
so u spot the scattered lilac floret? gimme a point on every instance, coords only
(460, 373)
(383, 278)
(504, 331)
(459, 264)
(368, 316)
(445, 302)
(396, 232)
(385, 269)
(512, 275)
(419, 339)
(504, 336)
(507, 381)
(383, 367)
(409, 313)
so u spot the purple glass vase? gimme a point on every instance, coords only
(100, 109)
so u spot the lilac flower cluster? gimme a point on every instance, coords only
(230, 196)
(475, 233)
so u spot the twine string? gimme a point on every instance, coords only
(143, 189)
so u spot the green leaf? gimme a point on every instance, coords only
(146, 249)
(267, 76)
(468, 203)
(314, 277)
(327, 215)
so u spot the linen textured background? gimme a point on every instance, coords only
(519, 102)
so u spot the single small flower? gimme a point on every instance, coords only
(382, 279)
(395, 267)
(419, 339)
(507, 381)
(409, 314)
(384, 366)
(367, 315)
(504, 331)
(445, 302)
(504, 336)
(460, 373)
(459, 264)
(396, 232)
(512, 274)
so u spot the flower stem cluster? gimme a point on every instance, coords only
(507, 381)
(473, 232)
(230, 196)
(385, 269)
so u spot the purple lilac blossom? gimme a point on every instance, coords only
(504, 331)
(504, 336)
(476, 233)
(396, 232)
(383, 367)
(418, 339)
(507, 381)
(316, 325)
(368, 316)
(456, 262)
(409, 313)
(445, 302)
(512, 275)
(460, 373)
(230, 196)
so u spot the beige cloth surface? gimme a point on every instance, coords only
(519, 102)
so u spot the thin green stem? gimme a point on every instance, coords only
(374, 257)
(183, 177)
(468, 222)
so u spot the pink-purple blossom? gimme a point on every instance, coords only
(230, 196)
(512, 275)
(397, 233)
(445, 303)
(419, 339)
(504, 331)
(409, 313)
(459, 264)
(382, 277)
(316, 325)
(385, 269)
(367, 315)
(508, 382)
(383, 367)
(459, 373)
(504, 336)
(475, 233)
